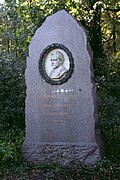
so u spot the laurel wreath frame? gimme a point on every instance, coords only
(41, 64)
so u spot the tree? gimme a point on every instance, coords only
(19, 21)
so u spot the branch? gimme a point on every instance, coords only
(109, 38)
(113, 10)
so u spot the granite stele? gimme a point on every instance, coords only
(61, 102)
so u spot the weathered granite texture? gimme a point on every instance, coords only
(66, 154)
(61, 120)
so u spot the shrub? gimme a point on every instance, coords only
(10, 146)
(12, 92)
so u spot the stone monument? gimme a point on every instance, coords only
(61, 102)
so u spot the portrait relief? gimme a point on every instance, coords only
(56, 64)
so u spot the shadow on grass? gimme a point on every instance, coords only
(24, 170)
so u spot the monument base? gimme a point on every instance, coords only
(65, 154)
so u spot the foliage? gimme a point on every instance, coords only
(19, 22)
(24, 170)
(10, 145)
(109, 112)
(18, 25)
(12, 92)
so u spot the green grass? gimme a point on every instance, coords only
(14, 167)
(24, 170)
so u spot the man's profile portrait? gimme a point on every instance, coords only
(57, 59)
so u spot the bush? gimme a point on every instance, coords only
(12, 92)
(109, 112)
(10, 146)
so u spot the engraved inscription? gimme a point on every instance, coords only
(57, 113)
(57, 105)
(56, 96)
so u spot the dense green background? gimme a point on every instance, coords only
(19, 21)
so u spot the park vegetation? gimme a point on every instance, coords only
(19, 20)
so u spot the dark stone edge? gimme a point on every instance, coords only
(96, 99)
